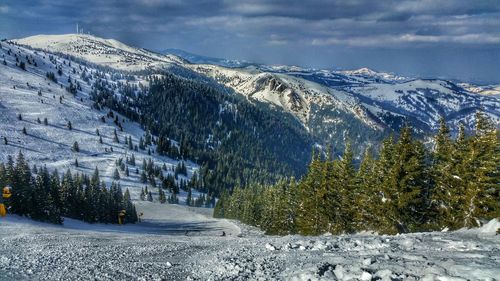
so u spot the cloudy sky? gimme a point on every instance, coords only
(456, 39)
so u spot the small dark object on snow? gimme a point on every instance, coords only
(223, 233)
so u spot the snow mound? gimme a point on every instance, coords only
(489, 228)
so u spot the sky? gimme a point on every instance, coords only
(452, 39)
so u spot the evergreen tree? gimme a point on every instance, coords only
(189, 198)
(75, 147)
(367, 197)
(143, 195)
(444, 196)
(115, 137)
(116, 174)
(163, 197)
(345, 181)
(312, 214)
(479, 173)
(407, 183)
(22, 186)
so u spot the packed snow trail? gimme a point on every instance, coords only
(181, 243)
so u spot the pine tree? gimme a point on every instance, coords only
(385, 187)
(115, 137)
(163, 197)
(70, 127)
(479, 173)
(130, 145)
(445, 193)
(141, 143)
(116, 174)
(22, 186)
(345, 180)
(367, 198)
(75, 147)
(189, 198)
(132, 160)
(408, 182)
(312, 214)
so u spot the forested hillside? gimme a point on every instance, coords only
(234, 141)
(407, 188)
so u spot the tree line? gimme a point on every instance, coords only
(407, 188)
(49, 197)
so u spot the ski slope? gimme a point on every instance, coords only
(78, 251)
(107, 52)
(35, 97)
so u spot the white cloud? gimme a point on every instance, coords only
(4, 9)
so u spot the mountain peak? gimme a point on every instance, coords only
(370, 73)
(108, 52)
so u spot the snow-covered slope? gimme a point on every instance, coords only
(379, 100)
(373, 75)
(28, 97)
(492, 90)
(324, 101)
(108, 52)
(34, 251)
(293, 94)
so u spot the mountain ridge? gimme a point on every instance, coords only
(381, 101)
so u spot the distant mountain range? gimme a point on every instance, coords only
(333, 106)
(198, 59)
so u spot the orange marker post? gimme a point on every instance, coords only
(121, 216)
(5, 195)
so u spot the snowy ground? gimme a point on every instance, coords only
(51, 144)
(180, 243)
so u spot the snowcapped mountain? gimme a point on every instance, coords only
(47, 105)
(107, 52)
(492, 90)
(372, 75)
(330, 104)
(378, 100)
(198, 59)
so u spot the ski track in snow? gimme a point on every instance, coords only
(180, 243)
